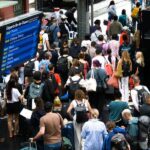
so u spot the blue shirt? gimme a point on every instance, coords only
(93, 132)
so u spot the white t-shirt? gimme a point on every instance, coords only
(45, 38)
(15, 96)
(134, 95)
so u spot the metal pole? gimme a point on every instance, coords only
(92, 12)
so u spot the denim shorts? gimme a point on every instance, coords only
(55, 146)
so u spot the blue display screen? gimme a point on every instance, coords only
(19, 42)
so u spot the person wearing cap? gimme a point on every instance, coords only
(97, 98)
(92, 130)
(50, 128)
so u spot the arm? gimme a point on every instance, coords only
(39, 134)
(134, 96)
(69, 110)
(47, 44)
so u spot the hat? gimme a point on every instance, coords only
(63, 16)
(125, 28)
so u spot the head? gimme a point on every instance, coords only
(39, 103)
(79, 95)
(66, 51)
(101, 37)
(14, 76)
(95, 113)
(126, 56)
(96, 64)
(112, 3)
(109, 51)
(83, 49)
(136, 80)
(37, 76)
(140, 58)
(123, 12)
(81, 56)
(138, 4)
(93, 44)
(48, 55)
(98, 50)
(51, 68)
(110, 125)
(97, 22)
(48, 107)
(117, 95)
(73, 9)
(14, 70)
(115, 18)
(126, 114)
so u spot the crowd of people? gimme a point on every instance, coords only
(97, 77)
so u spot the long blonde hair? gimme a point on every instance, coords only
(140, 58)
(126, 57)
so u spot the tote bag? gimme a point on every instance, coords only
(91, 83)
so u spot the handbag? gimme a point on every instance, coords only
(113, 81)
(108, 68)
(91, 83)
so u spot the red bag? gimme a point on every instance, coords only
(113, 81)
(108, 69)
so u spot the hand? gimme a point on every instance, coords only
(31, 140)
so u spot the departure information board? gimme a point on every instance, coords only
(18, 40)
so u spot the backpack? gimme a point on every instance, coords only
(81, 113)
(125, 69)
(125, 47)
(142, 93)
(35, 90)
(73, 86)
(49, 88)
(118, 142)
(28, 69)
(135, 12)
(62, 65)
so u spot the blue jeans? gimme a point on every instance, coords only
(55, 146)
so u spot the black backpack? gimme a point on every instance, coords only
(142, 93)
(28, 69)
(118, 142)
(49, 88)
(62, 65)
(81, 113)
(73, 86)
(125, 69)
